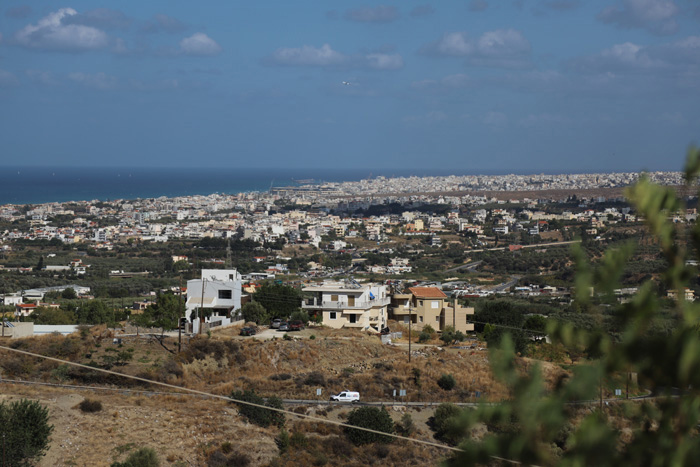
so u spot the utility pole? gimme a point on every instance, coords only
(410, 318)
(201, 308)
(179, 318)
(454, 313)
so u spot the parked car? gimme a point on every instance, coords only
(346, 396)
(248, 331)
(296, 325)
(284, 326)
(275, 324)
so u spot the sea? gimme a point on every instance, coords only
(36, 185)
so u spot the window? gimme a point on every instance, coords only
(230, 277)
(437, 318)
(420, 303)
(225, 294)
(334, 298)
(332, 315)
(420, 318)
(435, 304)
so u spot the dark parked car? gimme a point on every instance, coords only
(248, 331)
(284, 326)
(296, 325)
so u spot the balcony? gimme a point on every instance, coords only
(401, 311)
(317, 304)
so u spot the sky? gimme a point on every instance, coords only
(476, 85)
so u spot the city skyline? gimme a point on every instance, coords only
(510, 86)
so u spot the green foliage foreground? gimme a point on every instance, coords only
(662, 431)
(24, 432)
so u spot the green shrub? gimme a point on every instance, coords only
(300, 316)
(282, 441)
(298, 440)
(441, 423)
(446, 382)
(373, 418)
(24, 431)
(259, 415)
(424, 337)
(144, 457)
(255, 312)
(90, 405)
(406, 427)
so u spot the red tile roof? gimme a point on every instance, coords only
(427, 292)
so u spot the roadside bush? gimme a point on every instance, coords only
(220, 459)
(315, 378)
(90, 405)
(280, 377)
(144, 457)
(441, 423)
(259, 415)
(447, 382)
(373, 418)
(449, 335)
(406, 427)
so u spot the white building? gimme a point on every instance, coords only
(349, 305)
(218, 291)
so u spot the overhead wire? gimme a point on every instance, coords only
(234, 400)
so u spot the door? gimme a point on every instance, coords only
(351, 300)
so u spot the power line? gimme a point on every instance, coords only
(230, 399)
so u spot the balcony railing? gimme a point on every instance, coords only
(358, 305)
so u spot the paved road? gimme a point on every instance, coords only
(537, 245)
(471, 266)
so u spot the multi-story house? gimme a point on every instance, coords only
(349, 305)
(218, 292)
(429, 305)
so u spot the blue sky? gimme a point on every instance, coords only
(481, 86)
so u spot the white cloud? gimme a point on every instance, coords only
(308, 56)
(7, 79)
(478, 5)
(325, 56)
(544, 120)
(495, 119)
(506, 48)
(433, 117)
(379, 14)
(384, 61)
(51, 33)
(679, 56)
(448, 82)
(199, 44)
(101, 18)
(656, 16)
(100, 80)
(422, 10)
(42, 77)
